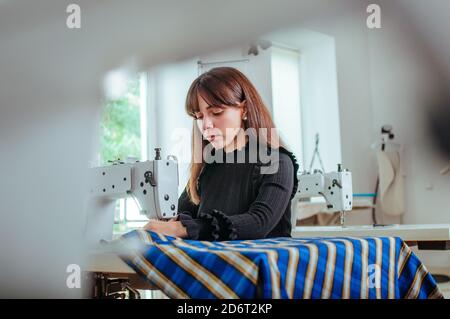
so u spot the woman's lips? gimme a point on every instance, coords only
(211, 138)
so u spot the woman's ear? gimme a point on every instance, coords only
(244, 115)
(244, 109)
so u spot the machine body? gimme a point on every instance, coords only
(152, 184)
(334, 187)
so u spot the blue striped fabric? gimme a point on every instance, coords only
(366, 268)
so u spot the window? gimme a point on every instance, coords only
(123, 135)
(286, 96)
(305, 96)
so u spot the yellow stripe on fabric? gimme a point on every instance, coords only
(291, 273)
(364, 294)
(208, 279)
(163, 283)
(378, 262)
(401, 257)
(391, 284)
(267, 244)
(208, 243)
(420, 282)
(272, 243)
(272, 257)
(291, 270)
(414, 289)
(330, 266)
(311, 271)
(405, 253)
(162, 236)
(244, 265)
(144, 236)
(348, 266)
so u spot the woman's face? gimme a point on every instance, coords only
(218, 125)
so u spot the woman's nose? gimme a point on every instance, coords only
(207, 123)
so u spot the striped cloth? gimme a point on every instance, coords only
(339, 268)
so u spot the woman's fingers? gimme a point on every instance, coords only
(171, 227)
(148, 225)
(152, 224)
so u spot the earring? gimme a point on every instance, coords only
(245, 118)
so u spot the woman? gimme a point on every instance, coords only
(225, 200)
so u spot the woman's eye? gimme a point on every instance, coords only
(217, 113)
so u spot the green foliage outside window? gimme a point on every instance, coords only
(120, 126)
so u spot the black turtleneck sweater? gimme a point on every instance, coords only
(242, 200)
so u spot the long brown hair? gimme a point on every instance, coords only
(225, 87)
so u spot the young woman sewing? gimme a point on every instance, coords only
(233, 192)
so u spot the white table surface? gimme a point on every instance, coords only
(416, 232)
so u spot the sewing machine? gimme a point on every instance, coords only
(334, 187)
(152, 184)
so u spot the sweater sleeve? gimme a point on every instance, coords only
(187, 215)
(275, 192)
(185, 206)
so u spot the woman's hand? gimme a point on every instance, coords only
(170, 228)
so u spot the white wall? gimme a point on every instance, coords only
(356, 127)
(257, 69)
(318, 95)
(320, 107)
(286, 97)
